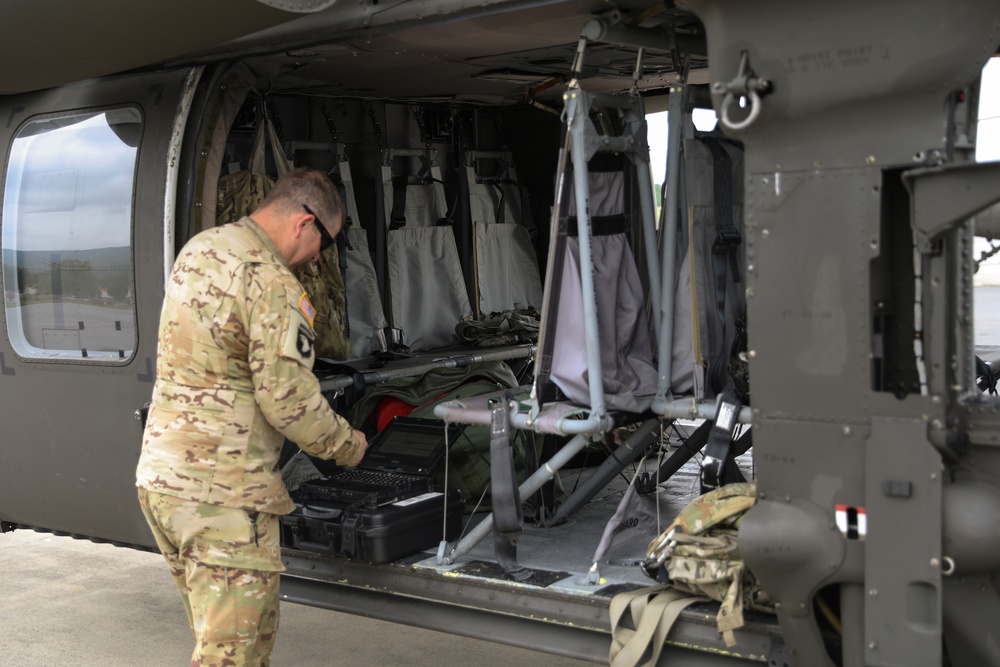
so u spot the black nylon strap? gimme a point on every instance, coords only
(342, 191)
(727, 241)
(349, 535)
(986, 377)
(330, 124)
(397, 218)
(507, 517)
(500, 215)
(716, 468)
(600, 225)
(527, 219)
(343, 244)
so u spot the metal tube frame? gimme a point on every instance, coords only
(584, 142)
(678, 95)
(381, 242)
(692, 408)
(636, 125)
(530, 485)
(636, 444)
(578, 104)
(457, 361)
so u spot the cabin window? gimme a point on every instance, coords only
(68, 272)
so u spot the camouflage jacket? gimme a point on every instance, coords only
(234, 377)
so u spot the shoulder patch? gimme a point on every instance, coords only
(305, 305)
(299, 340)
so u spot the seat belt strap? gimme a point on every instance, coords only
(986, 377)
(397, 217)
(501, 213)
(507, 516)
(527, 219)
(724, 250)
(715, 467)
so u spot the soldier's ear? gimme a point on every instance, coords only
(301, 223)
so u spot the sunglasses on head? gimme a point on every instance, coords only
(325, 240)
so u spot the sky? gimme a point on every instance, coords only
(69, 187)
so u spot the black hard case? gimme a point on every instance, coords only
(377, 535)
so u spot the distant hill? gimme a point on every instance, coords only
(100, 259)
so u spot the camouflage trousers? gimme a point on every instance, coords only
(226, 564)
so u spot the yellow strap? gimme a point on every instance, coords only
(699, 360)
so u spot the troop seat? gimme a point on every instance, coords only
(428, 293)
(506, 267)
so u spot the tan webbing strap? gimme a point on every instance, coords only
(730, 615)
(653, 611)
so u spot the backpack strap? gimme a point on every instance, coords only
(343, 244)
(730, 616)
(653, 611)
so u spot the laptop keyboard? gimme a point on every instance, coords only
(396, 466)
(370, 485)
(373, 477)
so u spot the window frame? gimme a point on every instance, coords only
(19, 342)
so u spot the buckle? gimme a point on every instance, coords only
(727, 239)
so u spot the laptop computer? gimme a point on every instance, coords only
(397, 465)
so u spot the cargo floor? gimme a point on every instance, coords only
(475, 593)
(570, 547)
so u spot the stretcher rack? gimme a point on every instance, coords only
(527, 409)
(353, 372)
(581, 418)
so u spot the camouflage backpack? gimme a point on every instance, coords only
(699, 553)
(240, 193)
(698, 558)
(324, 284)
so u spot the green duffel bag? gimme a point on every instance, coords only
(469, 457)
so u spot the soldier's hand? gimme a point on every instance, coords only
(363, 442)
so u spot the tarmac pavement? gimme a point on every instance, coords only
(73, 603)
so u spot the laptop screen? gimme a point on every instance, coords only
(409, 445)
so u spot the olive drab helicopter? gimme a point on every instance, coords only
(511, 269)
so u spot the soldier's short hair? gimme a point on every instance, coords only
(304, 186)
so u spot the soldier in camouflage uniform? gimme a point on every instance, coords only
(236, 349)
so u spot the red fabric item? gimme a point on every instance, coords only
(390, 407)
